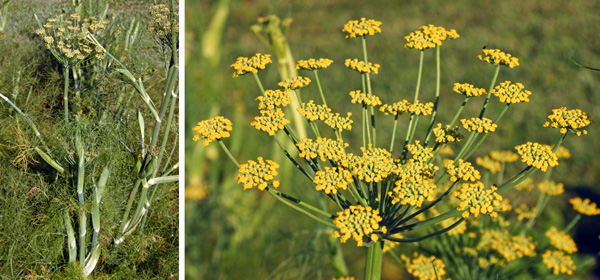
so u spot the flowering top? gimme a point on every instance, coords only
(463, 171)
(413, 190)
(524, 212)
(424, 109)
(397, 108)
(419, 152)
(294, 83)
(488, 163)
(550, 187)
(374, 165)
(361, 66)
(569, 120)
(497, 57)
(313, 112)
(511, 93)
(424, 268)
(213, 129)
(358, 29)
(537, 155)
(258, 174)
(332, 179)
(322, 148)
(504, 156)
(270, 121)
(478, 200)
(337, 122)
(468, 90)
(313, 64)
(244, 65)
(562, 152)
(357, 222)
(561, 240)
(362, 98)
(429, 37)
(161, 22)
(584, 206)
(447, 134)
(273, 98)
(558, 262)
(481, 125)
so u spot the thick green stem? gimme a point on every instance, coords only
(374, 261)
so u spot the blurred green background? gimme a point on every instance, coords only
(232, 233)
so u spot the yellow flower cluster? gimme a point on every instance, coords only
(397, 108)
(509, 247)
(447, 134)
(361, 66)
(475, 199)
(562, 152)
(413, 190)
(569, 120)
(468, 90)
(313, 112)
(373, 166)
(526, 185)
(561, 240)
(584, 206)
(358, 29)
(420, 153)
(332, 179)
(213, 129)
(511, 93)
(537, 155)
(481, 125)
(258, 174)
(504, 156)
(558, 262)
(244, 65)
(161, 20)
(463, 171)
(294, 83)
(422, 109)
(322, 148)
(337, 122)
(488, 163)
(270, 121)
(550, 187)
(524, 212)
(497, 57)
(357, 222)
(273, 98)
(429, 37)
(424, 268)
(313, 64)
(362, 98)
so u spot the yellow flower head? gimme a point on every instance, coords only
(497, 57)
(584, 206)
(558, 262)
(270, 121)
(419, 152)
(258, 174)
(338, 122)
(429, 37)
(273, 98)
(358, 29)
(313, 112)
(358, 222)
(569, 120)
(511, 93)
(359, 97)
(447, 134)
(361, 66)
(468, 90)
(213, 129)
(424, 268)
(524, 212)
(413, 190)
(562, 152)
(322, 148)
(463, 171)
(421, 109)
(313, 64)
(294, 83)
(447, 151)
(332, 179)
(504, 156)
(561, 240)
(397, 108)
(244, 65)
(475, 199)
(160, 23)
(550, 187)
(374, 165)
(488, 163)
(481, 125)
(537, 155)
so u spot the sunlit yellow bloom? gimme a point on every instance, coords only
(511, 93)
(562, 152)
(525, 245)
(374, 165)
(424, 109)
(447, 134)
(244, 65)
(463, 171)
(270, 121)
(475, 199)
(488, 163)
(561, 240)
(413, 190)
(497, 57)
(313, 112)
(537, 155)
(258, 174)
(525, 185)
(359, 97)
(468, 90)
(524, 212)
(481, 125)
(338, 122)
(313, 64)
(294, 83)
(504, 156)
(429, 37)
(365, 27)
(424, 268)
(397, 108)
(550, 187)
(322, 148)
(569, 120)
(361, 66)
(419, 152)
(558, 262)
(332, 179)
(213, 129)
(584, 206)
(273, 98)
(358, 222)
(447, 150)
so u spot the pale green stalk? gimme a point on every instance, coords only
(394, 133)
(260, 86)
(71, 243)
(437, 95)
(412, 123)
(573, 223)
(66, 92)
(460, 110)
(319, 86)
(369, 91)
(301, 206)
(374, 261)
(487, 98)
(228, 153)
(504, 109)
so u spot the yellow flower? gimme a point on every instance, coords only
(447, 134)
(584, 206)
(313, 112)
(313, 64)
(537, 155)
(569, 120)
(463, 171)
(424, 109)
(413, 190)
(511, 93)
(468, 90)
(504, 156)
(358, 222)
(481, 125)
(488, 163)
(258, 174)
(525, 185)
(374, 165)
(524, 212)
(358, 29)
(294, 83)
(419, 152)
(558, 262)
(270, 121)
(429, 37)
(273, 98)
(244, 65)
(332, 179)
(475, 200)
(562, 152)
(338, 122)
(213, 129)
(322, 148)
(361, 66)
(551, 188)
(362, 98)
(424, 268)
(447, 151)
(497, 57)
(561, 240)
(397, 108)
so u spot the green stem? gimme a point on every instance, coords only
(437, 233)
(421, 56)
(66, 92)
(504, 109)
(487, 98)
(437, 95)
(459, 110)
(374, 261)
(226, 150)
(572, 223)
(320, 88)
(260, 86)
(394, 133)
(301, 206)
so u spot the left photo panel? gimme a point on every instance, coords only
(89, 153)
